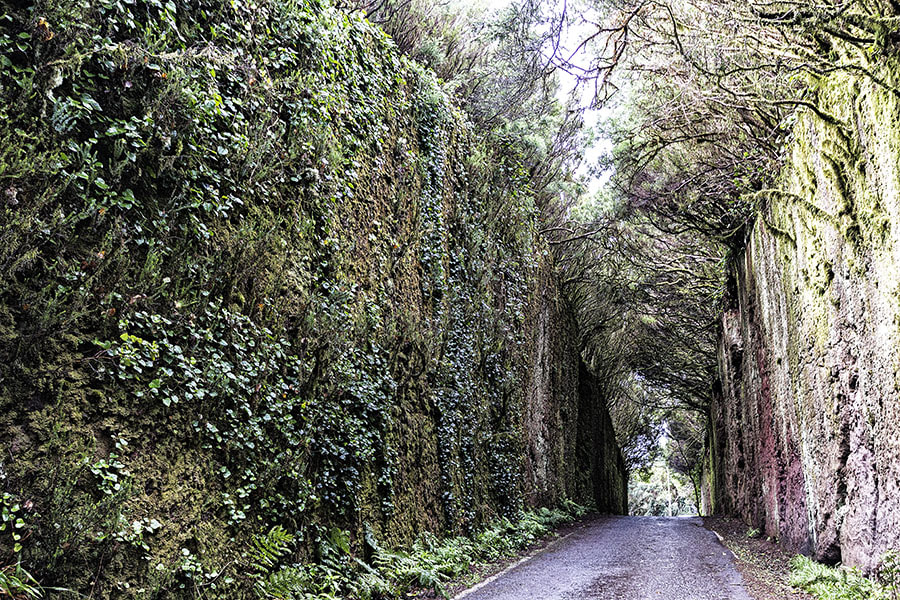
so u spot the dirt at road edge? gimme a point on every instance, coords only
(764, 565)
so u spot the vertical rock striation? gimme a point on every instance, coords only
(571, 449)
(803, 440)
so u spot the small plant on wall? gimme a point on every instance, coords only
(889, 573)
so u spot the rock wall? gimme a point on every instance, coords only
(803, 437)
(571, 448)
(257, 271)
(601, 467)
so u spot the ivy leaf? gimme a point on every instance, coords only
(90, 103)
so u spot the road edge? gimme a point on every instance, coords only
(763, 565)
(516, 564)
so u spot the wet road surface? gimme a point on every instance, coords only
(625, 558)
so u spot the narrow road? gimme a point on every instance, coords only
(624, 558)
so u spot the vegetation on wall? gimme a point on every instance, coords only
(263, 289)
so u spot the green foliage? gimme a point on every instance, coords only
(660, 491)
(428, 564)
(267, 549)
(829, 583)
(12, 521)
(246, 249)
(889, 573)
(431, 562)
(304, 582)
(274, 581)
(16, 582)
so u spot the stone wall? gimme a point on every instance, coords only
(803, 440)
(571, 448)
(290, 285)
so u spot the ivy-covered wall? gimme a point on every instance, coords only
(257, 271)
(803, 436)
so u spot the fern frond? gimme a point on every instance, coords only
(266, 550)
(285, 584)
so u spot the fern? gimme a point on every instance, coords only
(829, 583)
(339, 539)
(430, 563)
(285, 584)
(370, 584)
(408, 570)
(266, 550)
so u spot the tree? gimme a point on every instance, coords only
(702, 94)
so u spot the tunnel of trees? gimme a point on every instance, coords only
(695, 101)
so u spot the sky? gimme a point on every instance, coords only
(592, 118)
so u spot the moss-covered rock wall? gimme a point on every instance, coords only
(803, 440)
(255, 271)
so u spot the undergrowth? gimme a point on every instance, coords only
(841, 583)
(16, 582)
(430, 563)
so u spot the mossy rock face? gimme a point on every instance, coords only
(806, 448)
(257, 271)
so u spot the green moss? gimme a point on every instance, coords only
(824, 248)
(257, 285)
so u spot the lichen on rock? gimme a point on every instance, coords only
(803, 443)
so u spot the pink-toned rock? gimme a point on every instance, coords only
(804, 439)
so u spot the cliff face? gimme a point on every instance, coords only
(803, 440)
(601, 468)
(570, 443)
(256, 271)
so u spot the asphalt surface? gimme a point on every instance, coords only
(624, 558)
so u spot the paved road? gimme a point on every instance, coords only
(625, 558)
